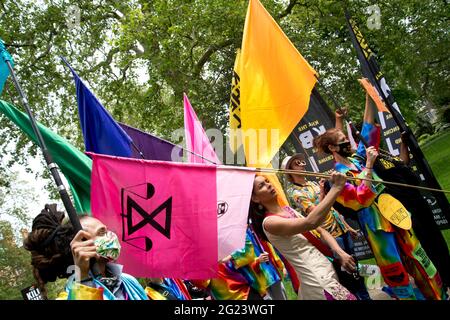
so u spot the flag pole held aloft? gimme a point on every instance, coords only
(372, 71)
(51, 165)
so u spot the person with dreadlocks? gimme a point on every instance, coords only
(55, 247)
(395, 246)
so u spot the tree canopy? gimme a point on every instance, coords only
(139, 56)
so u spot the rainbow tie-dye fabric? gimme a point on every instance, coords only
(229, 284)
(397, 251)
(260, 276)
(308, 196)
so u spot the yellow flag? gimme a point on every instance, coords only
(235, 107)
(275, 82)
(235, 127)
(281, 196)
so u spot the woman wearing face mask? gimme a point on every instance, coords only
(57, 251)
(396, 250)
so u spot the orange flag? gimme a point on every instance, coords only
(275, 86)
(373, 93)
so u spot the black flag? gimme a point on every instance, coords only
(393, 124)
(316, 121)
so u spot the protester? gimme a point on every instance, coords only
(397, 169)
(255, 265)
(390, 244)
(288, 232)
(306, 195)
(56, 249)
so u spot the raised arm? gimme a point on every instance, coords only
(371, 131)
(370, 110)
(287, 227)
(340, 114)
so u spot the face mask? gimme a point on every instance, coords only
(108, 246)
(344, 149)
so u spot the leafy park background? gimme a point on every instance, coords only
(140, 56)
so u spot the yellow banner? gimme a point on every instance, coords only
(235, 107)
(275, 82)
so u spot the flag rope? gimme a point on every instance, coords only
(327, 176)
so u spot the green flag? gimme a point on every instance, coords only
(74, 164)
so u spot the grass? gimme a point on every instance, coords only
(291, 294)
(437, 152)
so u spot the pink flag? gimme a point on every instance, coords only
(196, 139)
(165, 213)
(233, 186)
(234, 189)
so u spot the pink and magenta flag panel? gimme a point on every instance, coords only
(164, 212)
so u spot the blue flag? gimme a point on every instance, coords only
(4, 71)
(101, 133)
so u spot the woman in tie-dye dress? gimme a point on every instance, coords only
(396, 250)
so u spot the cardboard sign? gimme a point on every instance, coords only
(32, 293)
(394, 211)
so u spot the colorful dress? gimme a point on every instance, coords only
(260, 276)
(318, 280)
(307, 196)
(119, 286)
(397, 251)
(229, 284)
(243, 273)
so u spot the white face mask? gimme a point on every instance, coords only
(108, 246)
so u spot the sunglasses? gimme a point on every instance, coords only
(300, 162)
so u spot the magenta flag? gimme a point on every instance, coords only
(196, 139)
(165, 214)
(234, 190)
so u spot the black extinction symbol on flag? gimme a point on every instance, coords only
(129, 199)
